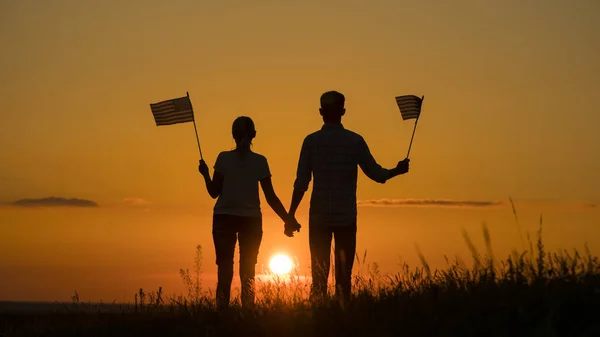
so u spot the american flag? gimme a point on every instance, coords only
(173, 111)
(410, 106)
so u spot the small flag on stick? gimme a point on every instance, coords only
(410, 106)
(173, 111)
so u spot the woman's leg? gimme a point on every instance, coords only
(224, 237)
(250, 236)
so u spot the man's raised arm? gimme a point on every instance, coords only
(374, 171)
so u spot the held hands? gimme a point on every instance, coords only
(291, 226)
(203, 168)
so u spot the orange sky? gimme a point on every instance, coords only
(510, 110)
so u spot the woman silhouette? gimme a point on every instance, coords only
(237, 214)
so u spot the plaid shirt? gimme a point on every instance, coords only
(332, 155)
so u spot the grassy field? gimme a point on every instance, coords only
(529, 293)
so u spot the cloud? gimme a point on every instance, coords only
(589, 206)
(449, 203)
(137, 201)
(428, 203)
(54, 202)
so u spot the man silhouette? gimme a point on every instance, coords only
(332, 155)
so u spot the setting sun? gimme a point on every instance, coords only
(280, 264)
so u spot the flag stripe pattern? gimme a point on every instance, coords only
(410, 106)
(173, 111)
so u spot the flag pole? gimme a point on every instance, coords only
(415, 127)
(194, 121)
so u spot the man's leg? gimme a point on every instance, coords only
(345, 249)
(319, 238)
(224, 238)
(250, 237)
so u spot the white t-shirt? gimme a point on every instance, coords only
(241, 176)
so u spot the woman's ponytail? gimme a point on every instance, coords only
(243, 132)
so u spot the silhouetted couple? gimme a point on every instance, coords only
(332, 156)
